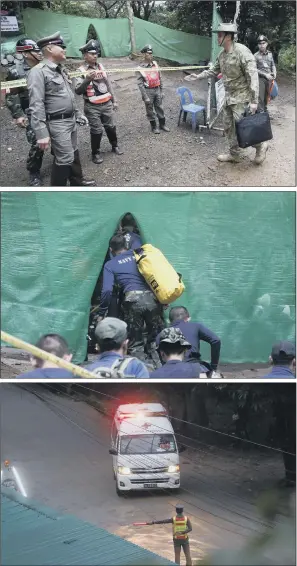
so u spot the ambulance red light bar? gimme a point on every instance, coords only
(141, 414)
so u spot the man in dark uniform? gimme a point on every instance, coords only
(266, 70)
(150, 84)
(100, 101)
(181, 527)
(283, 361)
(179, 317)
(139, 304)
(17, 102)
(172, 348)
(54, 113)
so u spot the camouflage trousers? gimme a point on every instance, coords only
(155, 106)
(142, 313)
(35, 156)
(232, 113)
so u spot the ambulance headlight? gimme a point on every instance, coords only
(173, 469)
(124, 471)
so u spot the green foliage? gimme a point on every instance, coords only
(74, 8)
(287, 59)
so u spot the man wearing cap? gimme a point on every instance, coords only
(17, 102)
(266, 70)
(99, 98)
(181, 527)
(140, 306)
(54, 113)
(241, 82)
(112, 340)
(172, 348)
(283, 361)
(194, 332)
(150, 84)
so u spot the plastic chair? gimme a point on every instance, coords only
(190, 106)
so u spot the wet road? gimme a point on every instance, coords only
(60, 448)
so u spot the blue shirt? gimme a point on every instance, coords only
(48, 373)
(280, 371)
(122, 269)
(175, 369)
(135, 368)
(193, 333)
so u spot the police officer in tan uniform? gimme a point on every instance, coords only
(150, 84)
(266, 70)
(240, 76)
(99, 98)
(54, 113)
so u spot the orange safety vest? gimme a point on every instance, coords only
(151, 78)
(179, 525)
(101, 86)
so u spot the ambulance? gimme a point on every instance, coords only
(144, 449)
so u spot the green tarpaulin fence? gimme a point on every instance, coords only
(235, 251)
(114, 36)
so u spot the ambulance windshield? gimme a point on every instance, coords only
(147, 444)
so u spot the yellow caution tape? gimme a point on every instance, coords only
(7, 85)
(38, 353)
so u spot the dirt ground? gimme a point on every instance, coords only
(175, 159)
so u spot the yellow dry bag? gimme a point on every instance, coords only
(162, 278)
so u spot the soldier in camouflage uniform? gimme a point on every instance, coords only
(17, 102)
(266, 70)
(150, 84)
(240, 76)
(140, 306)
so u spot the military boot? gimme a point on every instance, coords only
(162, 125)
(76, 175)
(228, 157)
(95, 145)
(35, 179)
(111, 133)
(155, 128)
(60, 175)
(261, 153)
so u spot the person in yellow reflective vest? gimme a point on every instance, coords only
(181, 526)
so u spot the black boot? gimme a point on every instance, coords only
(162, 125)
(76, 175)
(155, 128)
(113, 140)
(60, 175)
(35, 179)
(95, 145)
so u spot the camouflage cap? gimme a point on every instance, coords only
(226, 28)
(173, 336)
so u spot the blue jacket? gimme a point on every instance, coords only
(122, 269)
(48, 373)
(175, 369)
(135, 368)
(193, 333)
(280, 372)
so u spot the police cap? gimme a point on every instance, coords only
(147, 49)
(262, 38)
(26, 44)
(92, 46)
(55, 39)
(226, 28)
(173, 336)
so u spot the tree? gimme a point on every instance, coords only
(143, 9)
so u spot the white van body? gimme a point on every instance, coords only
(145, 452)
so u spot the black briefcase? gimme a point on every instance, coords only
(252, 129)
